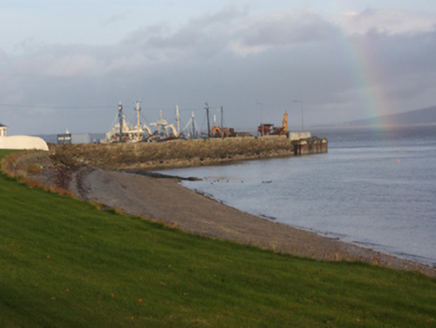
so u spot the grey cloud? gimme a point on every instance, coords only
(4, 57)
(388, 21)
(114, 19)
(368, 12)
(200, 37)
(207, 36)
(286, 29)
(29, 45)
(301, 59)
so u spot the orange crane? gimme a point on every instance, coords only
(217, 132)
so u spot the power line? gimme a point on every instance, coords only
(51, 106)
(92, 107)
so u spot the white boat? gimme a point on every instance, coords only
(128, 132)
(164, 130)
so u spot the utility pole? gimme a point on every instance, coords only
(262, 133)
(120, 115)
(302, 113)
(206, 107)
(138, 127)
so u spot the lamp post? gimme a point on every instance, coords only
(302, 113)
(261, 118)
(222, 117)
(222, 120)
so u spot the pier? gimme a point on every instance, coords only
(187, 152)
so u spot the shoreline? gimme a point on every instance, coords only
(333, 236)
(166, 200)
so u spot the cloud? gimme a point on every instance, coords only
(114, 19)
(28, 45)
(55, 66)
(387, 21)
(230, 30)
(279, 29)
(230, 58)
(283, 28)
(72, 66)
(201, 37)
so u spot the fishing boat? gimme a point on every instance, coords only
(164, 130)
(125, 132)
(129, 133)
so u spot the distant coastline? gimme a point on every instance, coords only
(350, 126)
(425, 116)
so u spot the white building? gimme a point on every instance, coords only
(20, 142)
(3, 129)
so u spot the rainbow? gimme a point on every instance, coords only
(367, 72)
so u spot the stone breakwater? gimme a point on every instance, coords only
(184, 153)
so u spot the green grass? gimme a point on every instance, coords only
(65, 263)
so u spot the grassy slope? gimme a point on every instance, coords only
(65, 263)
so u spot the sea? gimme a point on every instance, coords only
(376, 188)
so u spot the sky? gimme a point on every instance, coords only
(66, 64)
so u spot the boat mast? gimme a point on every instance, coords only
(137, 117)
(120, 114)
(206, 107)
(178, 120)
(194, 132)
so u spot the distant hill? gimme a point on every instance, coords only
(419, 116)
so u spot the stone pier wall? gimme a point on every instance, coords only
(182, 153)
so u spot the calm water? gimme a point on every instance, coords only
(373, 188)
